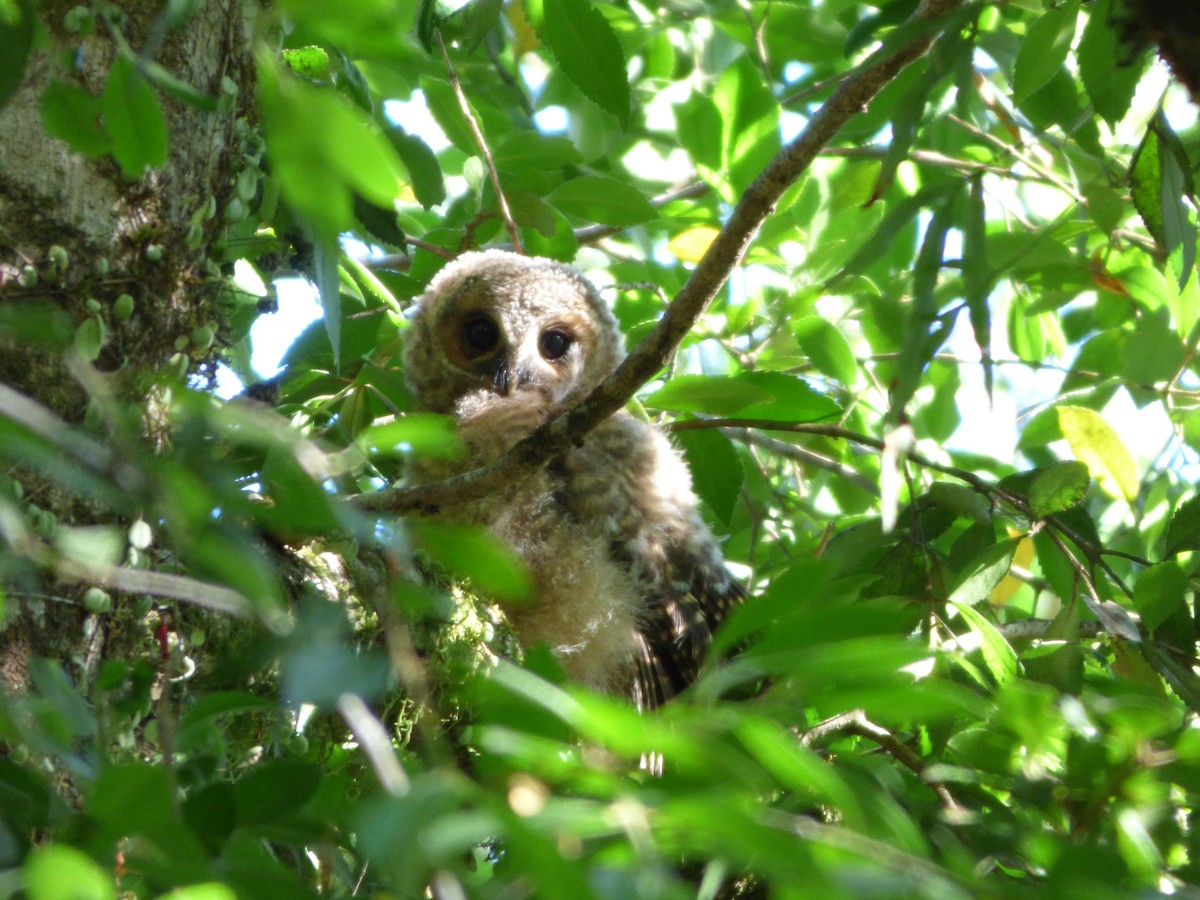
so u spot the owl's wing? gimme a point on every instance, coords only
(629, 486)
(677, 626)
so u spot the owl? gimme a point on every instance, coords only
(628, 581)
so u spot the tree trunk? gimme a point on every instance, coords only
(126, 269)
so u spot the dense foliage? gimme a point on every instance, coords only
(942, 412)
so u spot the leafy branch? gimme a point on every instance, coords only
(757, 203)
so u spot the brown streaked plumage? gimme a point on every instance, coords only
(629, 582)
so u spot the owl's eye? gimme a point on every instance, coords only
(482, 334)
(553, 344)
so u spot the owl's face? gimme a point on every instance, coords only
(503, 323)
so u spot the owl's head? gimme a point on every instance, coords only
(497, 321)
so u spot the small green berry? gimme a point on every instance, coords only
(202, 336)
(247, 184)
(122, 308)
(97, 601)
(92, 305)
(298, 744)
(140, 534)
(154, 252)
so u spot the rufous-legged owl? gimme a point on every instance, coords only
(629, 582)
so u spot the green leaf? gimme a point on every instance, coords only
(1058, 487)
(1154, 353)
(96, 544)
(604, 200)
(208, 891)
(424, 434)
(1179, 230)
(133, 119)
(444, 107)
(89, 338)
(177, 88)
(702, 138)
(323, 150)
(981, 576)
(71, 114)
(1160, 592)
(274, 790)
(961, 500)
(531, 151)
(750, 125)
(473, 553)
(326, 251)
(978, 277)
(1183, 533)
(1043, 50)
(308, 62)
(1097, 445)
(588, 52)
(424, 171)
(924, 330)
(1000, 658)
(16, 40)
(481, 17)
(1108, 76)
(208, 708)
(56, 871)
(827, 348)
(717, 472)
(381, 223)
(1062, 667)
(767, 395)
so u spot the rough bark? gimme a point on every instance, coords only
(103, 224)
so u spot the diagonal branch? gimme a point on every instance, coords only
(709, 276)
(476, 131)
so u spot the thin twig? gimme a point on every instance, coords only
(593, 233)
(805, 456)
(836, 431)
(1005, 147)
(374, 742)
(514, 233)
(855, 722)
(708, 278)
(132, 581)
(929, 158)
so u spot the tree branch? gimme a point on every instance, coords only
(514, 233)
(855, 722)
(726, 251)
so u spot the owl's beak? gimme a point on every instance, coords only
(504, 381)
(505, 376)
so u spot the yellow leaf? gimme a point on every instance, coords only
(688, 246)
(1098, 446)
(1010, 584)
(524, 37)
